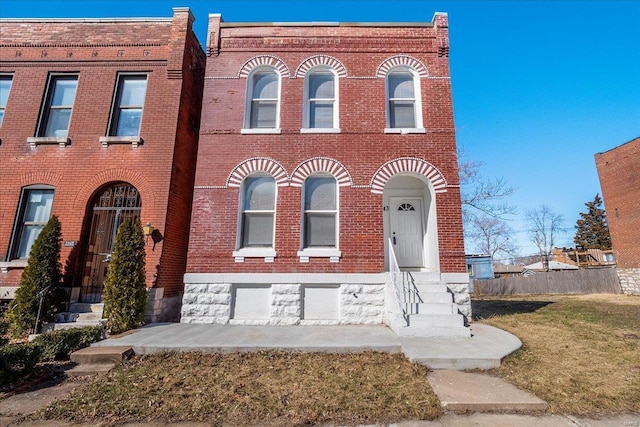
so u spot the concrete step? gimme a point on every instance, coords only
(68, 325)
(431, 287)
(436, 297)
(433, 332)
(436, 308)
(436, 320)
(86, 307)
(474, 392)
(89, 369)
(101, 355)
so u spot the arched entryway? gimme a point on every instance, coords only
(410, 222)
(110, 206)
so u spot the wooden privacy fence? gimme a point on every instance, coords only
(585, 281)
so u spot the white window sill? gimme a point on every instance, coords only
(135, 141)
(404, 131)
(261, 131)
(12, 265)
(332, 253)
(320, 130)
(34, 141)
(267, 253)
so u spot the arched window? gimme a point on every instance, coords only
(34, 211)
(403, 99)
(258, 208)
(320, 212)
(321, 99)
(263, 99)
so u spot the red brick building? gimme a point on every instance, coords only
(321, 145)
(619, 172)
(100, 121)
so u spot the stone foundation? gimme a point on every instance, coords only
(161, 309)
(629, 280)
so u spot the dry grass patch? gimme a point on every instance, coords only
(277, 388)
(580, 353)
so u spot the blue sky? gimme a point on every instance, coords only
(539, 87)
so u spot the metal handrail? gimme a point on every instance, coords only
(395, 273)
(407, 293)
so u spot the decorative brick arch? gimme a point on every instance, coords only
(326, 60)
(97, 181)
(48, 178)
(405, 60)
(258, 164)
(408, 164)
(321, 164)
(268, 60)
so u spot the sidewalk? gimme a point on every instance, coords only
(484, 400)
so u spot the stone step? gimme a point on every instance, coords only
(433, 297)
(414, 331)
(68, 325)
(432, 287)
(101, 355)
(436, 320)
(89, 369)
(436, 308)
(86, 307)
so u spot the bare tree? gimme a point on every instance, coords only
(483, 195)
(544, 226)
(492, 236)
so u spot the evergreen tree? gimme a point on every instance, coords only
(41, 275)
(592, 230)
(124, 292)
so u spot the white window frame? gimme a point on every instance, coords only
(117, 107)
(331, 252)
(46, 108)
(247, 129)
(20, 223)
(307, 101)
(417, 100)
(241, 252)
(3, 107)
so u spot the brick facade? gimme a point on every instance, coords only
(161, 167)
(363, 155)
(619, 172)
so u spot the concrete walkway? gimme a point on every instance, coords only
(484, 350)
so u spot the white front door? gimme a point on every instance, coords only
(407, 231)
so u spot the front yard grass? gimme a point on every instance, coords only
(276, 388)
(581, 354)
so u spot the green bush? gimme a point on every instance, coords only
(4, 327)
(17, 360)
(124, 294)
(58, 345)
(42, 274)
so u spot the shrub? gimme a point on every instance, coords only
(42, 274)
(124, 294)
(17, 360)
(58, 345)
(4, 327)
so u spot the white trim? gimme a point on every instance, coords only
(13, 264)
(249, 100)
(336, 212)
(404, 131)
(249, 131)
(320, 130)
(321, 69)
(34, 141)
(135, 141)
(417, 97)
(333, 253)
(288, 278)
(267, 253)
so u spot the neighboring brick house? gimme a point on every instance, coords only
(320, 143)
(100, 121)
(619, 172)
